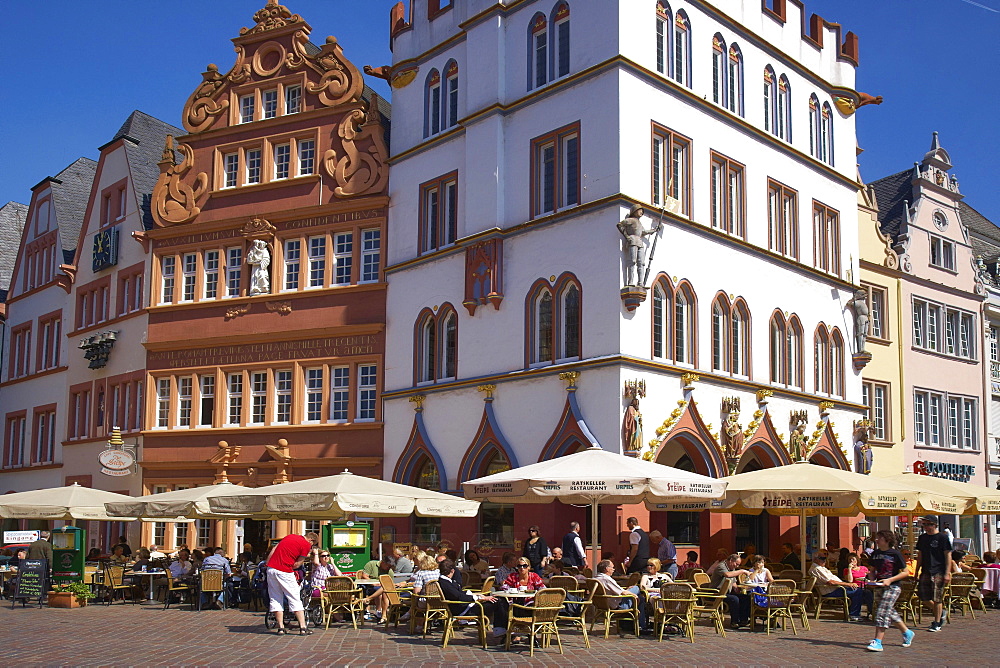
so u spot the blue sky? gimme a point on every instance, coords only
(73, 75)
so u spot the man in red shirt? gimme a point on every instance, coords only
(288, 555)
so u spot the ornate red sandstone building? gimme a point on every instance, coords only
(266, 321)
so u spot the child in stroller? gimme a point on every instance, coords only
(314, 613)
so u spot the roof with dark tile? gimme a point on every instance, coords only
(12, 217)
(70, 194)
(144, 137)
(891, 192)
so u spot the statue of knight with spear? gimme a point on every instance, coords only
(637, 273)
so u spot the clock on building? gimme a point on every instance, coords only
(105, 249)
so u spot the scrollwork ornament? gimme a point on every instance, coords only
(202, 107)
(361, 169)
(173, 201)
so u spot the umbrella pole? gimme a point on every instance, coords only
(802, 541)
(593, 535)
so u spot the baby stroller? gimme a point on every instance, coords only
(313, 612)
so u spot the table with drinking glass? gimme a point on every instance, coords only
(151, 575)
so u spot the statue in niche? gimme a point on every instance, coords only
(863, 455)
(259, 258)
(862, 314)
(732, 436)
(635, 246)
(632, 422)
(797, 442)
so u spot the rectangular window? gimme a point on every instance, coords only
(163, 402)
(942, 253)
(727, 195)
(269, 103)
(189, 271)
(920, 417)
(293, 99)
(956, 339)
(246, 108)
(234, 271)
(211, 274)
(159, 533)
(184, 398)
(235, 388)
(307, 157)
(44, 438)
(934, 415)
(16, 428)
(970, 416)
(782, 219)
(877, 300)
(671, 165)
(167, 268)
(317, 261)
(204, 531)
(282, 160)
(555, 169)
(253, 165)
(181, 534)
(207, 400)
(340, 393)
(966, 346)
(258, 397)
(826, 238)
(343, 257)
(367, 379)
(876, 397)
(439, 212)
(293, 253)
(371, 255)
(283, 396)
(314, 394)
(230, 169)
(954, 411)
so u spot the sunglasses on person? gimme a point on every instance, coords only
(325, 554)
(522, 566)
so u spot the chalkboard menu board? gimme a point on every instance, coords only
(32, 579)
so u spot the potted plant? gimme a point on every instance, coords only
(70, 595)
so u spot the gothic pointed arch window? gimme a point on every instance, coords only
(739, 359)
(720, 334)
(685, 325)
(542, 327)
(427, 348)
(426, 476)
(681, 72)
(554, 316)
(449, 112)
(783, 111)
(538, 51)
(560, 38)
(734, 80)
(826, 133)
(436, 344)
(836, 363)
(569, 322)
(770, 101)
(663, 295)
(821, 360)
(719, 70)
(793, 353)
(496, 520)
(449, 345)
(432, 104)
(778, 331)
(662, 37)
(814, 127)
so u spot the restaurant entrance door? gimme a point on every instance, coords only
(257, 533)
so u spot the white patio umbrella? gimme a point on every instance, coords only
(981, 500)
(594, 476)
(180, 505)
(72, 502)
(336, 496)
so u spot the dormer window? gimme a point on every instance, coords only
(942, 253)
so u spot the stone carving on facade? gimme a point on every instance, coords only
(633, 232)
(340, 82)
(281, 308)
(259, 258)
(862, 314)
(798, 444)
(361, 167)
(732, 431)
(258, 228)
(174, 201)
(237, 311)
(205, 103)
(633, 391)
(483, 275)
(271, 17)
(863, 455)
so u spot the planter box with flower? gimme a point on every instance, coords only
(72, 595)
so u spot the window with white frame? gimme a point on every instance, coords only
(168, 264)
(282, 161)
(283, 396)
(877, 300)
(247, 108)
(253, 166)
(957, 338)
(942, 253)
(958, 415)
(204, 528)
(162, 402)
(234, 415)
(307, 156)
(728, 203)
(293, 99)
(538, 52)
(555, 169)
(343, 257)
(875, 396)
(340, 393)
(718, 70)
(367, 383)
(189, 275)
(314, 394)
(317, 261)
(234, 271)
(230, 170)
(15, 446)
(662, 37)
(159, 533)
(451, 93)
(682, 49)
(180, 534)
(671, 166)
(293, 254)
(207, 393)
(734, 81)
(211, 274)
(371, 255)
(269, 103)
(258, 397)
(45, 437)
(826, 238)
(184, 399)
(439, 212)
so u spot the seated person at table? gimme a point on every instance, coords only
(691, 562)
(94, 554)
(118, 556)
(474, 563)
(6, 555)
(523, 577)
(197, 557)
(403, 564)
(853, 570)
(154, 553)
(507, 566)
(557, 567)
(465, 601)
(605, 569)
(428, 571)
(652, 579)
(911, 562)
(789, 557)
(829, 585)
(180, 570)
(759, 574)
(218, 562)
(557, 553)
(739, 602)
(458, 573)
(720, 556)
(990, 560)
(142, 562)
(749, 553)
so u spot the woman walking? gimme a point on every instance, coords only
(888, 568)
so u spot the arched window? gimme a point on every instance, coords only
(427, 348)
(777, 348)
(734, 82)
(449, 347)
(836, 363)
(815, 146)
(684, 325)
(427, 475)
(662, 37)
(541, 327)
(821, 359)
(569, 311)
(770, 100)
(661, 319)
(437, 345)
(783, 112)
(560, 52)
(538, 51)
(739, 362)
(432, 104)
(826, 133)
(793, 353)
(450, 111)
(682, 49)
(718, 70)
(720, 334)
(786, 350)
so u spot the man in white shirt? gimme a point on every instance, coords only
(155, 553)
(830, 585)
(620, 597)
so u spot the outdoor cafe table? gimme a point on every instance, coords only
(991, 582)
(514, 595)
(142, 574)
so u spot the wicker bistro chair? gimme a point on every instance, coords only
(342, 595)
(397, 605)
(691, 572)
(488, 585)
(701, 580)
(980, 574)
(803, 597)
(959, 594)
(603, 608)
(472, 580)
(586, 605)
(711, 608)
(539, 620)
(778, 605)
(567, 582)
(633, 580)
(115, 584)
(210, 581)
(840, 599)
(438, 608)
(675, 606)
(908, 604)
(789, 574)
(172, 586)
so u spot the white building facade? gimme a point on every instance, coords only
(522, 134)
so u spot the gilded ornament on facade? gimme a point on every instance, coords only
(570, 377)
(489, 389)
(237, 311)
(689, 379)
(763, 395)
(418, 399)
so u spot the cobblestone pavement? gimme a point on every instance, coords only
(147, 635)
